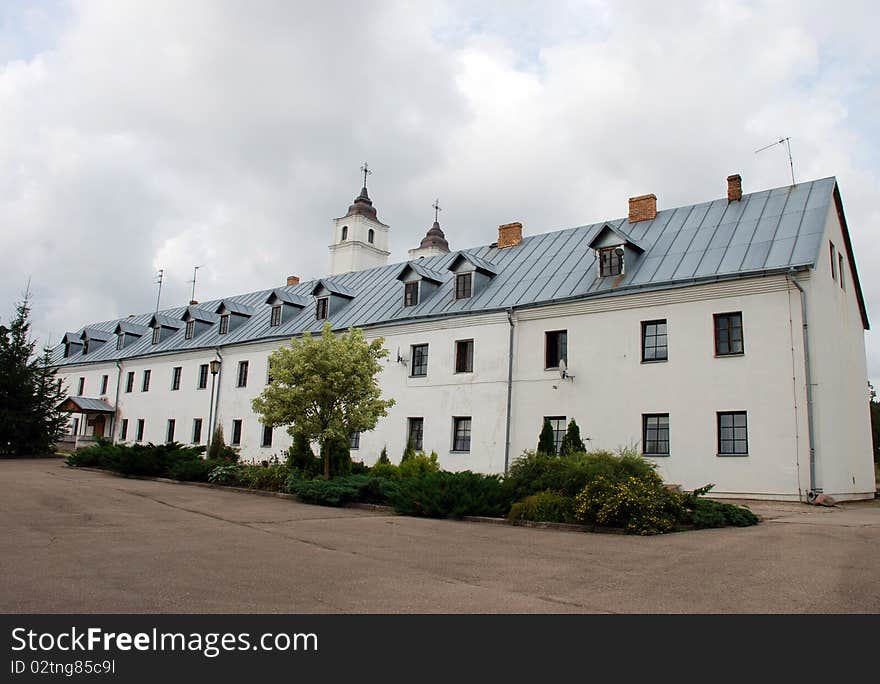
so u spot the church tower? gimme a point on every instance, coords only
(434, 242)
(360, 239)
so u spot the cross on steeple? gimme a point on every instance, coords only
(437, 209)
(366, 171)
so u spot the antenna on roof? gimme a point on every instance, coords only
(159, 277)
(193, 281)
(787, 142)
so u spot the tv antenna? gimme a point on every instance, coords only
(160, 276)
(193, 281)
(564, 375)
(787, 142)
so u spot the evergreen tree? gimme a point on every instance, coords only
(30, 422)
(572, 442)
(547, 440)
(383, 457)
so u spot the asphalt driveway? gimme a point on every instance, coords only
(76, 541)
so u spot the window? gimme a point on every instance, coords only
(85, 346)
(75, 428)
(464, 285)
(190, 330)
(145, 385)
(104, 379)
(169, 433)
(833, 253)
(559, 425)
(321, 308)
(840, 269)
(267, 437)
(728, 334)
(371, 235)
(242, 374)
(203, 376)
(120, 341)
(344, 233)
(555, 348)
(224, 324)
(411, 293)
(354, 441)
(123, 433)
(140, 430)
(419, 360)
(461, 434)
(236, 432)
(129, 381)
(733, 434)
(175, 377)
(197, 431)
(276, 316)
(655, 434)
(654, 341)
(464, 356)
(415, 431)
(157, 331)
(82, 387)
(611, 261)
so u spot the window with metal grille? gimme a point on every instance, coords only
(555, 348)
(266, 441)
(145, 383)
(169, 435)
(654, 341)
(464, 356)
(559, 425)
(236, 432)
(175, 377)
(123, 433)
(104, 380)
(129, 381)
(411, 293)
(655, 434)
(224, 324)
(157, 331)
(464, 285)
(203, 376)
(419, 360)
(733, 433)
(611, 261)
(321, 308)
(197, 431)
(140, 430)
(355, 440)
(415, 432)
(242, 374)
(461, 433)
(276, 316)
(728, 334)
(82, 387)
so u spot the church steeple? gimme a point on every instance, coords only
(362, 203)
(434, 242)
(360, 239)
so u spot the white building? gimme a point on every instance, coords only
(725, 339)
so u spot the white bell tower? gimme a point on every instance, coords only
(360, 239)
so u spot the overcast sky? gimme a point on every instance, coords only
(137, 135)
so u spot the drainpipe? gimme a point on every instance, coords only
(116, 403)
(808, 378)
(509, 389)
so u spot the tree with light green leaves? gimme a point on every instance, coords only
(325, 388)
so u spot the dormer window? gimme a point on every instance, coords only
(190, 330)
(85, 346)
(611, 261)
(371, 235)
(411, 293)
(157, 331)
(120, 341)
(344, 233)
(464, 285)
(321, 308)
(275, 321)
(224, 324)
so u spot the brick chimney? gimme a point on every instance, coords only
(292, 280)
(509, 235)
(642, 208)
(734, 188)
(193, 302)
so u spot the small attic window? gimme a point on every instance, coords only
(411, 293)
(190, 330)
(157, 331)
(344, 233)
(611, 261)
(321, 305)
(275, 321)
(371, 235)
(224, 324)
(464, 285)
(85, 346)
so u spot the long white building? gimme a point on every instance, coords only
(724, 339)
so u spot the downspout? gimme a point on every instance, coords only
(509, 389)
(808, 378)
(116, 403)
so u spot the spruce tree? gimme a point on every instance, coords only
(547, 440)
(572, 442)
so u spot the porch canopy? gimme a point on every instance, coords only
(84, 405)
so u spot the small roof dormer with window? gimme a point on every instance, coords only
(472, 275)
(197, 321)
(615, 249)
(164, 327)
(330, 298)
(232, 315)
(419, 282)
(126, 333)
(91, 339)
(72, 344)
(285, 306)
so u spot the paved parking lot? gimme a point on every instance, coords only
(79, 541)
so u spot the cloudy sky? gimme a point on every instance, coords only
(137, 135)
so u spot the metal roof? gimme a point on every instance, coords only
(767, 231)
(279, 295)
(165, 320)
(231, 305)
(620, 233)
(419, 268)
(86, 404)
(131, 329)
(477, 262)
(196, 313)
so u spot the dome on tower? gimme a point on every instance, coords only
(363, 206)
(435, 238)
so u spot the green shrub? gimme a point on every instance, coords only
(572, 442)
(300, 457)
(708, 513)
(225, 474)
(272, 478)
(158, 460)
(419, 464)
(358, 468)
(543, 507)
(387, 470)
(383, 456)
(219, 450)
(195, 470)
(450, 495)
(639, 505)
(535, 472)
(547, 440)
(342, 490)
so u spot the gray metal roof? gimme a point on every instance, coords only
(418, 267)
(232, 305)
(131, 329)
(333, 286)
(619, 232)
(280, 295)
(196, 313)
(89, 405)
(164, 320)
(767, 231)
(477, 262)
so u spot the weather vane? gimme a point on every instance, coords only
(437, 209)
(366, 171)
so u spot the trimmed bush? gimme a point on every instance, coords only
(544, 507)
(451, 495)
(272, 478)
(419, 464)
(225, 474)
(387, 470)
(708, 513)
(639, 505)
(158, 460)
(342, 490)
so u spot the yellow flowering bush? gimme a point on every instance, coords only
(638, 504)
